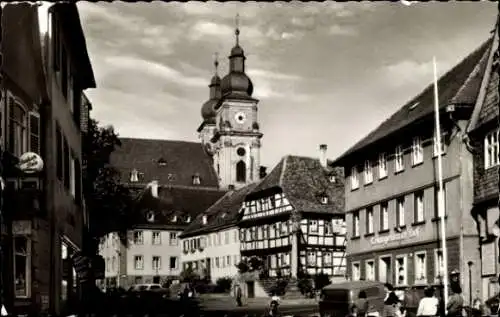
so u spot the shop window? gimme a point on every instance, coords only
(22, 267)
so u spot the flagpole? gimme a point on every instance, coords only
(440, 198)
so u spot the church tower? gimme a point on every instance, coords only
(235, 135)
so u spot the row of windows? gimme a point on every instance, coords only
(417, 157)
(68, 168)
(402, 263)
(224, 261)
(268, 231)
(491, 149)
(214, 239)
(155, 238)
(419, 212)
(155, 262)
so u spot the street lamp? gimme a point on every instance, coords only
(470, 263)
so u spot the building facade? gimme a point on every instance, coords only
(294, 220)
(391, 190)
(483, 132)
(41, 113)
(211, 244)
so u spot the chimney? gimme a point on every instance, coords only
(262, 172)
(204, 219)
(322, 154)
(154, 188)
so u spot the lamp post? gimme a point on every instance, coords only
(470, 263)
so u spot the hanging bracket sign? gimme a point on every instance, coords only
(30, 162)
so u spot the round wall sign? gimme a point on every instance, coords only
(30, 162)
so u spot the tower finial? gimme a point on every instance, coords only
(237, 31)
(216, 62)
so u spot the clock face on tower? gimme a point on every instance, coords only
(240, 117)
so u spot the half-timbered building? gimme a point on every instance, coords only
(293, 220)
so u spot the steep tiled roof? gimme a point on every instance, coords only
(182, 160)
(183, 202)
(304, 181)
(222, 213)
(460, 86)
(487, 102)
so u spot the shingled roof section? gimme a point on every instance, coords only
(459, 86)
(167, 161)
(182, 202)
(304, 182)
(222, 214)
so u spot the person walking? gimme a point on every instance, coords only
(273, 309)
(455, 301)
(238, 295)
(390, 301)
(428, 306)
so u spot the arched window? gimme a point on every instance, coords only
(241, 172)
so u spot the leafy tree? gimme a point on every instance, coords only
(321, 280)
(188, 275)
(255, 263)
(107, 200)
(243, 267)
(224, 284)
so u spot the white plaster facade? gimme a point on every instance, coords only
(217, 252)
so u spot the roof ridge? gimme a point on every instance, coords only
(283, 169)
(162, 140)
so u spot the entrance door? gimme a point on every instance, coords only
(156, 279)
(385, 270)
(251, 289)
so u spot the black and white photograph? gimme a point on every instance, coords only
(248, 159)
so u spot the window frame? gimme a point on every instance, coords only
(16, 148)
(384, 206)
(27, 268)
(140, 234)
(400, 212)
(382, 166)
(435, 145)
(370, 226)
(354, 178)
(356, 265)
(158, 267)
(491, 159)
(416, 214)
(437, 214)
(136, 257)
(399, 163)
(405, 266)
(37, 134)
(173, 239)
(368, 172)
(416, 256)
(417, 151)
(436, 263)
(356, 230)
(367, 264)
(156, 241)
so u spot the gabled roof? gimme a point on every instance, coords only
(459, 86)
(182, 161)
(304, 182)
(487, 108)
(183, 203)
(221, 214)
(73, 34)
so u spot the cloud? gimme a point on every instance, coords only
(155, 69)
(265, 74)
(408, 71)
(341, 30)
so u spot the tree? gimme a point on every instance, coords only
(108, 202)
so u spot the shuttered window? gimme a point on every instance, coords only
(78, 182)
(17, 128)
(56, 44)
(66, 163)
(35, 130)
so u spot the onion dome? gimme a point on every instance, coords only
(237, 82)
(208, 109)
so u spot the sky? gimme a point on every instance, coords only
(323, 72)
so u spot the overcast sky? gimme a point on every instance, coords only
(324, 72)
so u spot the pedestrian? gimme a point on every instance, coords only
(411, 301)
(428, 305)
(390, 301)
(455, 301)
(273, 309)
(238, 295)
(362, 304)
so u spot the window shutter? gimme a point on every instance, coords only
(59, 153)
(34, 126)
(11, 141)
(55, 44)
(78, 182)
(66, 161)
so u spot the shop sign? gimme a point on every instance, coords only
(398, 236)
(30, 162)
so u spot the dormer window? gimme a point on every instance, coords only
(324, 199)
(150, 216)
(188, 219)
(332, 178)
(204, 219)
(134, 176)
(196, 179)
(162, 162)
(223, 215)
(174, 219)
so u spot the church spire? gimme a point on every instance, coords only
(237, 31)
(216, 63)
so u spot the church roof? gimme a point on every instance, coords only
(169, 162)
(304, 182)
(174, 208)
(223, 213)
(460, 85)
